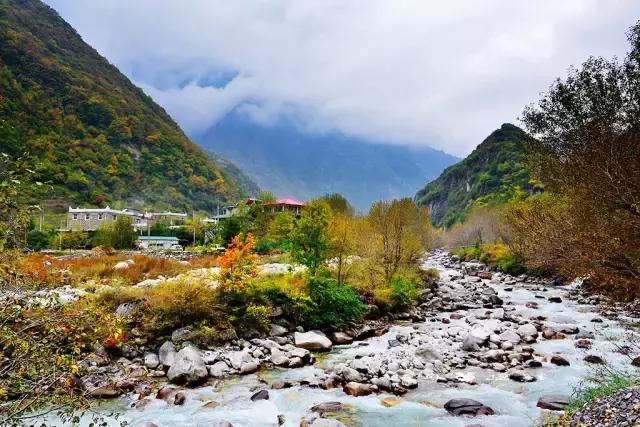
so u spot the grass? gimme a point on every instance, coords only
(45, 270)
(605, 383)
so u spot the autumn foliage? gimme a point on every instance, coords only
(237, 264)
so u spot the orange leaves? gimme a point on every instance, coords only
(238, 263)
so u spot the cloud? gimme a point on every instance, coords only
(410, 72)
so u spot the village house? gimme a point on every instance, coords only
(91, 219)
(279, 205)
(287, 205)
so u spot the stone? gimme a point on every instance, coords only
(521, 377)
(277, 330)
(359, 389)
(179, 398)
(312, 340)
(555, 299)
(296, 362)
(123, 265)
(238, 358)
(408, 381)
(279, 359)
(592, 358)
(167, 354)
(341, 338)
(188, 367)
(151, 360)
(510, 336)
(477, 338)
(249, 367)
(527, 330)
(390, 401)
(126, 310)
(327, 407)
(167, 393)
(553, 402)
(584, 343)
(467, 407)
(218, 369)
(558, 360)
(211, 404)
(636, 361)
(181, 335)
(261, 395)
(351, 375)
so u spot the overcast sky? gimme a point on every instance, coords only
(438, 73)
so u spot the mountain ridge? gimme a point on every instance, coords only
(291, 162)
(494, 173)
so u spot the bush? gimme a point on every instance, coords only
(38, 240)
(404, 291)
(334, 304)
(258, 316)
(178, 303)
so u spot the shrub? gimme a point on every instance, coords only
(179, 303)
(38, 240)
(334, 304)
(404, 291)
(258, 316)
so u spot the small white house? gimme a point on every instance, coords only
(155, 243)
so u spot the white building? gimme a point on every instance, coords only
(158, 243)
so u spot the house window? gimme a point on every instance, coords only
(87, 216)
(100, 216)
(75, 216)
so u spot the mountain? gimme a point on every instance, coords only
(494, 173)
(293, 163)
(96, 135)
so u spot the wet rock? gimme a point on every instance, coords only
(312, 340)
(188, 368)
(212, 404)
(408, 381)
(592, 358)
(584, 343)
(555, 299)
(249, 367)
(390, 401)
(148, 424)
(281, 419)
(553, 402)
(179, 398)
(261, 395)
(359, 389)
(326, 407)
(585, 335)
(477, 338)
(167, 393)
(467, 407)
(223, 424)
(342, 338)
(167, 354)
(558, 360)
(636, 361)
(521, 377)
(238, 358)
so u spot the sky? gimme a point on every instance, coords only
(443, 74)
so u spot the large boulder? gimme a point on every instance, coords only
(167, 354)
(553, 402)
(312, 340)
(527, 330)
(151, 360)
(460, 407)
(188, 367)
(477, 338)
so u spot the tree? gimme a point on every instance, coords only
(309, 240)
(587, 152)
(280, 227)
(195, 226)
(342, 240)
(338, 204)
(237, 264)
(160, 228)
(401, 232)
(17, 184)
(117, 234)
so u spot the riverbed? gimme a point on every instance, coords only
(514, 403)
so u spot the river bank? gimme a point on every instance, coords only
(512, 344)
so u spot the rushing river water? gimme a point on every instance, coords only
(513, 402)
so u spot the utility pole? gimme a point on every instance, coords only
(194, 228)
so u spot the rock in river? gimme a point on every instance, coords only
(553, 403)
(460, 407)
(312, 340)
(188, 367)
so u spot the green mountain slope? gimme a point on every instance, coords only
(492, 174)
(97, 135)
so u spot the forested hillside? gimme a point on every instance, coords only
(96, 135)
(493, 173)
